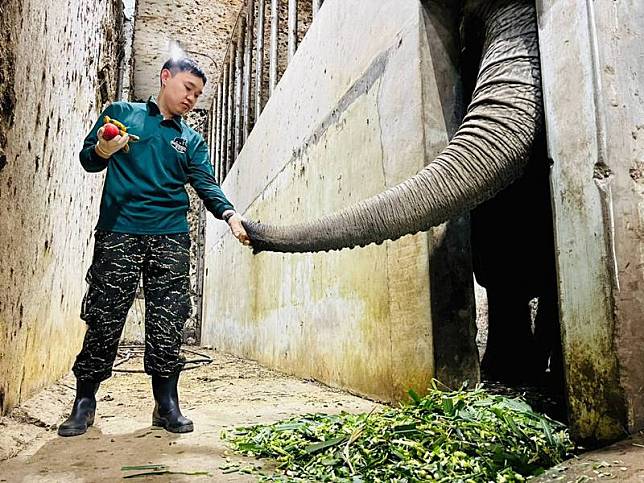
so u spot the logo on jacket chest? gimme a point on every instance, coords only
(180, 145)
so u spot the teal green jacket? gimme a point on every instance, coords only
(144, 190)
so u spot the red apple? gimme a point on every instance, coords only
(110, 131)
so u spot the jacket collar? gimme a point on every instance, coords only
(153, 109)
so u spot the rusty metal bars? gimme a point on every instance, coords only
(239, 68)
(230, 111)
(217, 126)
(212, 135)
(239, 103)
(223, 141)
(292, 28)
(223, 122)
(259, 60)
(248, 69)
(273, 56)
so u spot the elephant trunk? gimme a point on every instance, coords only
(487, 153)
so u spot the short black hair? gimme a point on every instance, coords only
(184, 64)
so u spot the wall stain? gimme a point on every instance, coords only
(7, 77)
(598, 398)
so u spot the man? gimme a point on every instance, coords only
(142, 228)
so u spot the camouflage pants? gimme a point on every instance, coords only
(119, 259)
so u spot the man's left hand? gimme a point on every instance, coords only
(236, 227)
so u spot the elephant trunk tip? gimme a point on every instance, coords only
(255, 232)
(267, 238)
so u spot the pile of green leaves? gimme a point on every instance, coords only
(459, 436)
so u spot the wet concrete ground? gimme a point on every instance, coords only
(229, 392)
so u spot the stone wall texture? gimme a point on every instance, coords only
(59, 68)
(199, 26)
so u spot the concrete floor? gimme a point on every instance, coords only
(622, 461)
(229, 392)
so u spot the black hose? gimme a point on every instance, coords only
(127, 352)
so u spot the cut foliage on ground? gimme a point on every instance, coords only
(457, 436)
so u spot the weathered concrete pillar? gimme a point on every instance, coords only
(593, 60)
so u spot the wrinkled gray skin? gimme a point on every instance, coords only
(487, 153)
(497, 138)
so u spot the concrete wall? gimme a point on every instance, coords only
(593, 62)
(61, 69)
(366, 102)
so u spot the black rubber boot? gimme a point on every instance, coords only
(83, 411)
(166, 413)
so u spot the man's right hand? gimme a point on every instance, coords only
(105, 149)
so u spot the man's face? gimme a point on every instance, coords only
(181, 91)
